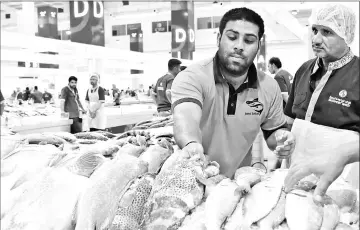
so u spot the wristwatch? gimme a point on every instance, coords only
(260, 164)
(190, 143)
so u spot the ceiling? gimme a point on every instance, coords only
(116, 10)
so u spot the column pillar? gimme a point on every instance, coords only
(182, 29)
(27, 20)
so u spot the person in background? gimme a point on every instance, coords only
(282, 77)
(70, 103)
(2, 104)
(162, 91)
(36, 96)
(114, 90)
(149, 91)
(221, 103)
(47, 97)
(18, 95)
(26, 94)
(117, 99)
(127, 92)
(326, 92)
(182, 68)
(95, 99)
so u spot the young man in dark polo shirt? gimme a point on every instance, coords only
(70, 103)
(221, 103)
(162, 93)
(332, 79)
(282, 77)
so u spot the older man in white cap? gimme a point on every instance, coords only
(325, 92)
(95, 99)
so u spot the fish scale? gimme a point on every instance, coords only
(176, 191)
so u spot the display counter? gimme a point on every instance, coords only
(129, 114)
(42, 124)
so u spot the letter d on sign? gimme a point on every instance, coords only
(179, 32)
(101, 11)
(191, 35)
(78, 14)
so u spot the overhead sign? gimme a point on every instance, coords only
(47, 22)
(87, 22)
(182, 28)
(159, 27)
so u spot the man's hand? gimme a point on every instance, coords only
(327, 166)
(195, 149)
(285, 143)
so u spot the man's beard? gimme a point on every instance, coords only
(231, 68)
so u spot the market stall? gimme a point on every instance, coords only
(150, 184)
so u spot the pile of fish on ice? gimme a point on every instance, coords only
(140, 180)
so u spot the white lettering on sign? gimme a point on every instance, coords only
(100, 13)
(98, 8)
(180, 35)
(339, 101)
(191, 35)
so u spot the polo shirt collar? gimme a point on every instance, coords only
(251, 79)
(336, 64)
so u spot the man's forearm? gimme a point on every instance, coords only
(186, 130)
(168, 95)
(351, 151)
(62, 105)
(271, 140)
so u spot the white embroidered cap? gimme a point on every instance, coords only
(341, 19)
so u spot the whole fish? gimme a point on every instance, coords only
(37, 138)
(64, 135)
(221, 203)
(301, 212)
(195, 220)
(10, 142)
(263, 198)
(276, 216)
(155, 156)
(91, 136)
(106, 134)
(176, 191)
(331, 217)
(97, 207)
(237, 217)
(130, 149)
(129, 214)
(104, 148)
(86, 164)
(49, 204)
(29, 157)
(246, 177)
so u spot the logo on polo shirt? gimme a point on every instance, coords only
(340, 101)
(255, 105)
(343, 93)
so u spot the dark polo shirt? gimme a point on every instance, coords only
(231, 119)
(72, 101)
(338, 105)
(164, 83)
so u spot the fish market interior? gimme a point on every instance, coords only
(189, 115)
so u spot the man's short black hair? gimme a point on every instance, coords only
(27, 88)
(36, 88)
(276, 61)
(182, 68)
(245, 14)
(173, 63)
(72, 78)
